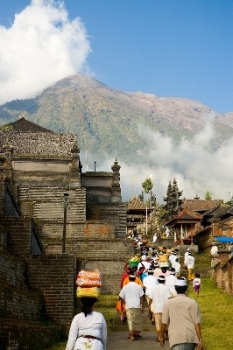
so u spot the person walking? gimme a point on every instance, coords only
(177, 267)
(182, 317)
(88, 329)
(186, 257)
(132, 295)
(197, 284)
(149, 283)
(190, 266)
(158, 295)
(170, 282)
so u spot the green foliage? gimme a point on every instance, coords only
(147, 185)
(6, 128)
(172, 199)
(208, 196)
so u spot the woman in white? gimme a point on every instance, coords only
(88, 329)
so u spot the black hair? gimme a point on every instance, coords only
(181, 289)
(164, 268)
(162, 280)
(132, 279)
(87, 304)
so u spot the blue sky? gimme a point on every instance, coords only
(170, 48)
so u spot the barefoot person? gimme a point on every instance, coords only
(132, 295)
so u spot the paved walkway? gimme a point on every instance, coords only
(118, 337)
(119, 341)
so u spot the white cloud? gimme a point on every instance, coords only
(41, 47)
(195, 169)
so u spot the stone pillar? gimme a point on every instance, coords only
(116, 189)
(75, 169)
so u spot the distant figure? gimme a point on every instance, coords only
(172, 258)
(155, 237)
(190, 266)
(197, 284)
(214, 249)
(167, 231)
(170, 282)
(177, 267)
(186, 257)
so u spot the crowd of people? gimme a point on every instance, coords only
(152, 279)
(158, 278)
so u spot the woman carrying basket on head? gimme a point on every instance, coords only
(88, 329)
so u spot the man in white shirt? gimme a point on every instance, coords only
(158, 295)
(190, 266)
(172, 258)
(177, 266)
(186, 257)
(155, 237)
(170, 282)
(149, 283)
(132, 295)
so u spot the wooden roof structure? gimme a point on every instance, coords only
(219, 213)
(186, 217)
(200, 205)
(136, 210)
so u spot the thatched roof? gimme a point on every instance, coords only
(135, 203)
(25, 138)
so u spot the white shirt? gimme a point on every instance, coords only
(149, 283)
(159, 295)
(176, 266)
(196, 281)
(131, 294)
(172, 259)
(190, 262)
(170, 283)
(186, 257)
(214, 250)
(93, 324)
(146, 264)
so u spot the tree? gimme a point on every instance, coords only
(147, 185)
(208, 196)
(172, 199)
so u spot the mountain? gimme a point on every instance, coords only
(111, 121)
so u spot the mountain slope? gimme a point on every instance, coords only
(112, 119)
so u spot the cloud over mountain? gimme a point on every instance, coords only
(42, 46)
